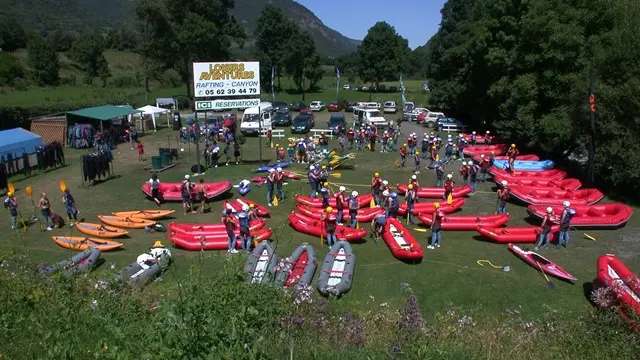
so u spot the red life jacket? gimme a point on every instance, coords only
(448, 186)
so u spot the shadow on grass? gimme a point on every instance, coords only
(100, 181)
(587, 289)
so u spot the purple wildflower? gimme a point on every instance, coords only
(411, 319)
(354, 330)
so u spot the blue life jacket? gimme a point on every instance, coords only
(353, 203)
(301, 146)
(570, 214)
(381, 220)
(394, 200)
(243, 219)
(325, 193)
(448, 149)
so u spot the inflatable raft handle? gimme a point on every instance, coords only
(338, 272)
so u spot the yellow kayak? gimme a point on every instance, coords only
(126, 222)
(145, 214)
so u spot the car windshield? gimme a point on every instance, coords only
(301, 120)
(374, 114)
(336, 120)
(279, 104)
(280, 115)
(250, 118)
(389, 104)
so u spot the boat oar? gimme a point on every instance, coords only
(62, 185)
(29, 191)
(589, 236)
(505, 268)
(420, 230)
(11, 188)
(550, 285)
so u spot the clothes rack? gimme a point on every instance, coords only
(50, 156)
(81, 136)
(97, 165)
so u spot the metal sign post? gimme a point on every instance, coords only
(260, 133)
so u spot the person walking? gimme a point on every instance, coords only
(340, 200)
(230, 227)
(565, 222)
(353, 209)
(201, 190)
(503, 196)
(245, 234)
(329, 226)
(45, 210)
(464, 173)
(280, 184)
(11, 204)
(70, 207)
(185, 192)
(439, 168)
(436, 221)
(545, 235)
(271, 180)
(411, 198)
(154, 184)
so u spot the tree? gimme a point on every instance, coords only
(88, 52)
(303, 61)
(61, 40)
(43, 61)
(178, 33)
(12, 34)
(272, 36)
(382, 53)
(10, 69)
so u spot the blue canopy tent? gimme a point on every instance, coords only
(18, 142)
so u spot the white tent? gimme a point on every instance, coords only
(152, 110)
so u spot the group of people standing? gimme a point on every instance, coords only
(49, 219)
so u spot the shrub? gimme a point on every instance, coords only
(123, 81)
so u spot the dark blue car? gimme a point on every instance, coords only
(338, 121)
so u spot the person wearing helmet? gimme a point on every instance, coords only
(279, 179)
(394, 205)
(448, 187)
(512, 153)
(492, 158)
(503, 196)
(384, 186)
(245, 234)
(403, 156)
(439, 169)
(377, 226)
(339, 196)
(410, 198)
(324, 193)
(201, 190)
(414, 181)
(376, 182)
(484, 168)
(301, 149)
(487, 138)
(434, 155)
(474, 169)
(436, 221)
(416, 162)
(11, 203)
(314, 179)
(565, 220)
(545, 234)
(324, 174)
(350, 137)
(291, 151)
(425, 146)
(448, 151)
(464, 173)
(230, 227)
(473, 138)
(329, 220)
(462, 143)
(252, 213)
(411, 145)
(280, 154)
(352, 201)
(271, 183)
(185, 193)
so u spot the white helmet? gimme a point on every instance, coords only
(342, 188)
(245, 207)
(549, 210)
(504, 182)
(473, 132)
(464, 163)
(413, 177)
(482, 156)
(187, 177)
(449, 176)
(312, 167)
(272, 170)
(566, 203)
(279, 169)
(487, 131)
(449, 136)
(385, 182)
(385, 193)
(354, 193)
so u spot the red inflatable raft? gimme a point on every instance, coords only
(612, 273)
(364, 215)
(498, 149)
(427, 207)
(237, 204)
(467, 222)
(212, 240)
(363, 201)
(171, 191)
(589, 216)
(313, 227)
(401, 243)
(211, 228)
(553, 174)
(262, 180)
(531, 157)
(479, 138)
(436, 193)
(523, 234)
(540, 263)
(554, 196)
(564, 184)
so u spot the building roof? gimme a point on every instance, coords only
(105, 112)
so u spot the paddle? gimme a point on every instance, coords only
(11, 188)
(550, 285)
(62, 185)
(29, 191)
(589, 236)
(505, 268)
(420, 230)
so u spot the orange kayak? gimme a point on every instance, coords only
(126, 222)
(145, 214)
(83, 243)
(100, 230)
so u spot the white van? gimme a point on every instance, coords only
(368, 116)
(253, 116)
(372, 105)
(389, 107)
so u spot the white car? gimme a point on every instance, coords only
(389, 107)
(317, 106)
(346, 87)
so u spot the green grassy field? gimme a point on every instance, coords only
(447, 278)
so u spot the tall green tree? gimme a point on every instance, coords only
(88, 52)
(303, 61)
(12, 34)
(11, 69)
(382, 53)
(62, 40)
(179, 33)
(272, 37)
(43, 61)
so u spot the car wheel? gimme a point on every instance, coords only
(430, 124)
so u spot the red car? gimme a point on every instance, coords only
(335, 106)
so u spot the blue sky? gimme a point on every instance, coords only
(415, 20)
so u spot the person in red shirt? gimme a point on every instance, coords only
(403, 156)
(512, 153)
(330, 226)
(448, 186)
(230, 226)
(545, 234)
(140, 150)
(375, 188)
(436, 221)
(503, 196)
(464, 172)
(350, 136)
(374, 137)
(269, 138)
(339, 196)
(414, 181)
(484, 167)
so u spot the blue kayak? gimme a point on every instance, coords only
(526, 165)
(244, 189)
(272, 166)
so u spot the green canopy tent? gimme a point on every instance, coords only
(100, 114)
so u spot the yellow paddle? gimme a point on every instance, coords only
(550, 285)
(11, 188)
(63, 186)
(275, 201)
(420, 230)
(589, 236)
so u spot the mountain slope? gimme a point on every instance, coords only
(79, 14)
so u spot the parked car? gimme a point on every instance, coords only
(389, 107)
(309, 112)
(372, 105)
(338, 121)
(335, 106)
(297, 105)
(449, 124)
(382, 88)
(317, 106)
(350, 105)
(358, 88)
(431, 118)
(346, 87)
(414, 114)
(277, 105)
(282, 117)
(301, 124)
